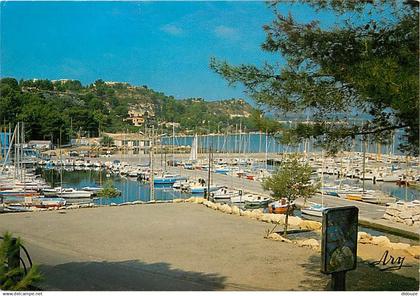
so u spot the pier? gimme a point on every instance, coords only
(369, 214)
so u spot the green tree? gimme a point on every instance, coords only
(357, 77)
(107, 141)
(15, 279)
(264, 123)
(291, 181)
(109, 191)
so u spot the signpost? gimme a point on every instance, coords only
(339, 244)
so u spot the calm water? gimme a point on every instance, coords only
(256, 142)
(402, 193)
(131, 189)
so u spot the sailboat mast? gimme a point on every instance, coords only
(173, 145)
(266, 149)
(364, 165)
(9, 149)
(209, 176)
(152, 175)
(22, 155)
(61, 166)
(17, 166)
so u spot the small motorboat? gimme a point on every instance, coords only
(179, 184)
(253, 201)
(199, 189)
(356, 197)
(224, 195)
(314, 210)
(67, 193)
(48, 202)
(378, 198)
(280, 207)
(91, 188)
(167, 179)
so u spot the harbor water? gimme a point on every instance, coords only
(255, 142)
(131, 189)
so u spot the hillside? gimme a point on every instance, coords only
(49, 108)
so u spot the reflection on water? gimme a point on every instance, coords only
(260, 142)
(402, 193)
(131, 189)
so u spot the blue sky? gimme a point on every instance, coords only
(165, 45)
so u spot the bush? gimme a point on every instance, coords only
(15, 279)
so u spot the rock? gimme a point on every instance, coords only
(277, 218)
(72, 207)
(294, 221)
(274, 236)
(416, 223)
(241, 212)
(398, 219)
(405, 215)
(113, 204)
(312, 243)
(235, 210)
(278, 237)
(258, 211)
(409, 222)
(387, 216)
(380, 240)
(416, 218)
(247, 213)
(399, 246)
(310, 225)
(256, 215)
(265, 218)
(414, 251)
(199, 200)
(392, 212)
(177, 200)
(364, 238)
(207, 203)
(137, 202)
(226, 209)
(62, 208)
(362, 234)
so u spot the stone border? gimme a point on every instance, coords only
(257, 214)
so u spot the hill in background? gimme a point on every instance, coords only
(50, 108)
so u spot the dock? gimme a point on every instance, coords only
(370, 215)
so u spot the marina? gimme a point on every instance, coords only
(75, 180)
(209, 146)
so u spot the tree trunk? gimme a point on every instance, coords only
(287, 219)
